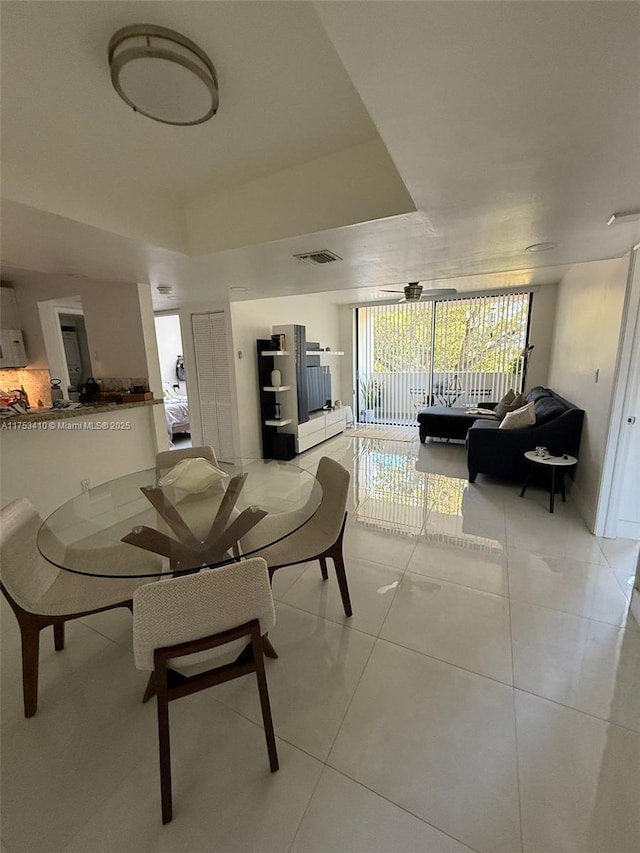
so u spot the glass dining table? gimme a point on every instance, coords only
(142, 526)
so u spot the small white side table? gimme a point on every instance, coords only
(556, 463)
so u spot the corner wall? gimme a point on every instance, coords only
(587, 335)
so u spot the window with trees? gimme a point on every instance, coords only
(461, 351)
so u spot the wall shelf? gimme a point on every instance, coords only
(275, 352)
(324, 352)
(273, 422)
(277, 388)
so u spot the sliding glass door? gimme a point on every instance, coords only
(453, 352)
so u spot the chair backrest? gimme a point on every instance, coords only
(168, 458)
(177, 610)
(25, 574)
(334, 479)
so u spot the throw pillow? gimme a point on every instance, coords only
(502, 407)
(521, 418)
(193, 475)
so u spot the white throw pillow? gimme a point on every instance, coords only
(193, 475)
(521, 418)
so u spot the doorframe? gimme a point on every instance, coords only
(607, 511)
(50, 311)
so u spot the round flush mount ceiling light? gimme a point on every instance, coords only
(540, 247)
(163, 75)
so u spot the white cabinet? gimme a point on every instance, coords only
(12, 352)
(318, 428)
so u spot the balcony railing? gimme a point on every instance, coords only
(398, 397)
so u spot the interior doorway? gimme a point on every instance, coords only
(174, 385)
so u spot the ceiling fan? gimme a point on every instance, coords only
(414, 292)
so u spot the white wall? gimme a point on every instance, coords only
(169, 347)
(47, 465)
(588, 323)
(252, 320)
(112, 316)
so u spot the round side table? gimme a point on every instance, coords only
(556, 463)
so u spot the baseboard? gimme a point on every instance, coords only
(635, 605)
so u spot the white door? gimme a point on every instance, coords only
(214, 384)
(628, 525)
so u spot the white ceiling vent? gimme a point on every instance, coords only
(322, 257)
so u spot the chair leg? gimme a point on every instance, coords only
(164, 747)
(269, 651)
(58, 636)
(338, 562)
(150, 691)
(30, 636)
(323, 568)
(258, 657)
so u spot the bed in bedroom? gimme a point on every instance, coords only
(176, 409)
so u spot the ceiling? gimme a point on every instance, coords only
(509, 124)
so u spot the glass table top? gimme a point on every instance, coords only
(134, 527)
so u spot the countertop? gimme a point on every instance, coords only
(35, 416)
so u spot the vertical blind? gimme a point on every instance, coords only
(454, 352)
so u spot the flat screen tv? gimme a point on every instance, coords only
(318, 387)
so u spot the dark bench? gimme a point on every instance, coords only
(448, 422)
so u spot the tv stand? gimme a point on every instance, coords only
(297, 430)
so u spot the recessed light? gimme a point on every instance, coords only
(623, 216)
(164, 289)
(540, 247)
(238, 289)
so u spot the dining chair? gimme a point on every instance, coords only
(319, 538)
(166, 459)
(40, 594)
(192, 633)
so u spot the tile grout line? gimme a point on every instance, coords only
(513, 700)
(402, 808)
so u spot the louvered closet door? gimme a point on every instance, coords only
(214, 385)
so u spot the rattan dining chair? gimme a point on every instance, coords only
(40, 594)
(319, 538)
(199, 630)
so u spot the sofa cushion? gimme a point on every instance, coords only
(548, 409)
(502, 407)
(509, 403)
(521, 418)
(538, 393)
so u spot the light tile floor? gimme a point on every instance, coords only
(484, 696)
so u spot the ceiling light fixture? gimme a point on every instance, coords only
(540, 247)
(163, 75)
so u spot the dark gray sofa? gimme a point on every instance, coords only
(500, 452)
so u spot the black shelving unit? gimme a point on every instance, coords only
(275, 445)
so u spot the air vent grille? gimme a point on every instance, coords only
(322, 257)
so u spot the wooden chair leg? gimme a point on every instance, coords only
(58, 636)
(323, 568)
(264, 703)
(164, 746)
(30, 637)
(269, 651)
(338, 562)
(150, 691)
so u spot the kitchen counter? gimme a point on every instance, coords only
(36, 416)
